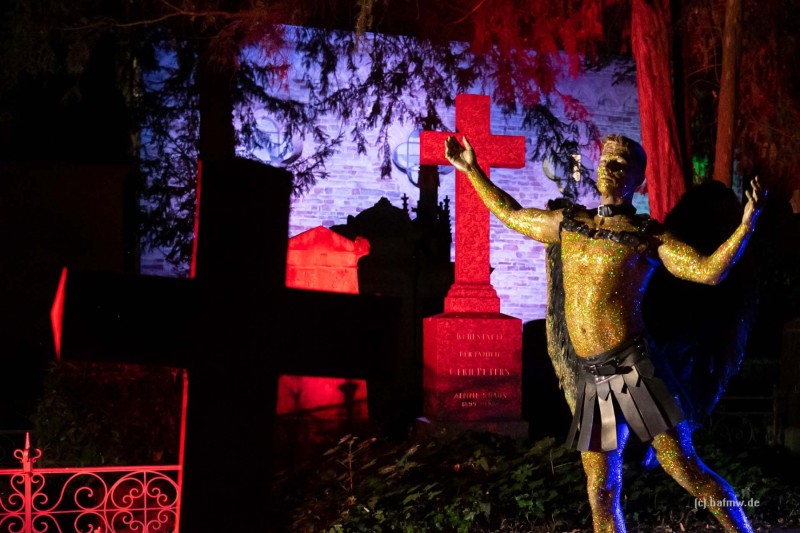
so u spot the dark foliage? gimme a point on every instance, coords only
(480, 482)
(108, 414)
(368, 82)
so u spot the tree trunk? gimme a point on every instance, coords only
(650, 37)
(726, 109)
(680, 60)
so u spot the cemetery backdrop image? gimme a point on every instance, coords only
(355, 184)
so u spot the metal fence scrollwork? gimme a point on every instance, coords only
(125, 499)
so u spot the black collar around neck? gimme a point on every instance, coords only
(610, 210)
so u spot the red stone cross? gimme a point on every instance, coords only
(472, 290)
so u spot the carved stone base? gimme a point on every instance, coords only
(472, 375)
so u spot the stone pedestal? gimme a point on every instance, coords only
(473, 372)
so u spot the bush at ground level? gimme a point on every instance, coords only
(482, 482)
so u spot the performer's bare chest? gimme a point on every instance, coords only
(600, 271)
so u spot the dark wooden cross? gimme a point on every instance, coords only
(235, 327)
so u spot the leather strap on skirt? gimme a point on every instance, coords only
(620, 386)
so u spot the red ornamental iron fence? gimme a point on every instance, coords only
(124, 499)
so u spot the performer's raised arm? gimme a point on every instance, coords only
(538, 224)
(684, 262)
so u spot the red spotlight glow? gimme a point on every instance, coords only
(321, 397)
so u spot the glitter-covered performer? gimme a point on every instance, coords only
(608, 256)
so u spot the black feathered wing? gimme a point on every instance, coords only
(699, 332)
(559, 346)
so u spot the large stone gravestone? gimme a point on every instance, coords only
(320, 259)
(473, 353)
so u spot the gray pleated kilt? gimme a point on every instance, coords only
(616, 386)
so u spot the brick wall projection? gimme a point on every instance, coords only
(354, 184)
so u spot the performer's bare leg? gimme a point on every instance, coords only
(604, 483)
(675, 453)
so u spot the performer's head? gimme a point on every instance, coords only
(621, 168)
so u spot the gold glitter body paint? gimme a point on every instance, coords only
(604, 284)
(604, 485)
(677, 457)
(685, 262)
(604, 281)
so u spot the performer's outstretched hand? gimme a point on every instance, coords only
(461, 158)
(755, 202)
